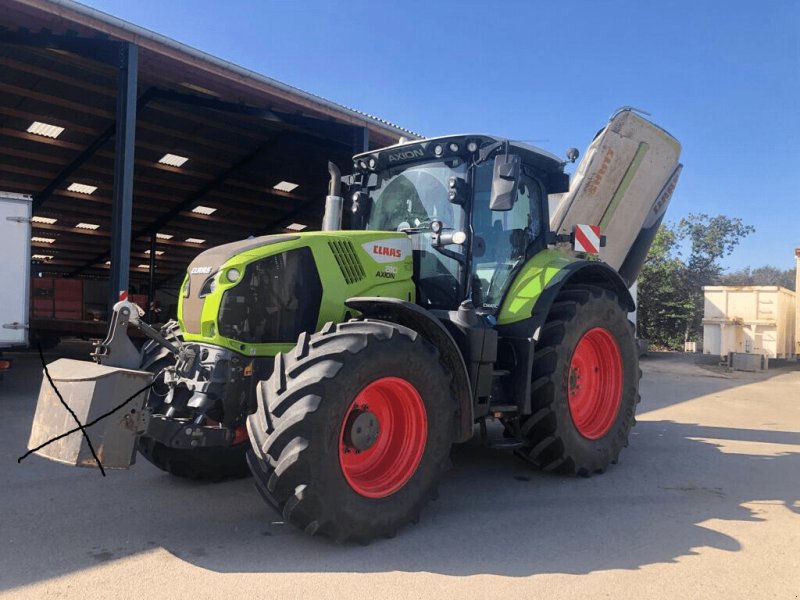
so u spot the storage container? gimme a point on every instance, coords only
(749, 319)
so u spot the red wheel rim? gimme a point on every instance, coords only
(595, 383)
(402, 430)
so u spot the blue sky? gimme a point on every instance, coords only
(723, 77)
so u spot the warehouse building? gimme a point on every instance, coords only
(140, 152)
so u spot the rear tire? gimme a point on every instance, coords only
(215, 463)
(585, 384)
(304, 433)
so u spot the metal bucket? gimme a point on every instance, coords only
(91, 391)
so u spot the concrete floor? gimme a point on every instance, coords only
(705, 503)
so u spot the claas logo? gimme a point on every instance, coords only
(386, 251)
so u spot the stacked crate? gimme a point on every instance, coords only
(140, 299)
(42, 297)
(53, 298)
(68, 299)
(72, 299)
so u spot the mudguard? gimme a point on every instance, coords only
(429, 327)
(530, 298)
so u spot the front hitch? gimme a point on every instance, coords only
(117, 350)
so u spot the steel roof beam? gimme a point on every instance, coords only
(40, 198)
(190, 202)
(216, 104)
(97, 48)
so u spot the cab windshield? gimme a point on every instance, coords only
(409, 198)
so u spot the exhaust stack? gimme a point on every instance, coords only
(334, 203)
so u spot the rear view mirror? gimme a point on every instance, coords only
(505, 178)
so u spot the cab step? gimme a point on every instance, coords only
(503, 409)
(505, 443)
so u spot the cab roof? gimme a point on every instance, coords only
(425, 149)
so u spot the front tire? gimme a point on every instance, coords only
(353, 430)
(585, 384)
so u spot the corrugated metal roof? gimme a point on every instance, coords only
(122, 29)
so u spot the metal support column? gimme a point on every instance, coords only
(360, 140)
(365, 140)
(122, 208)
(151, 292)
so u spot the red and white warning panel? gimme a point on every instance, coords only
(587, 239)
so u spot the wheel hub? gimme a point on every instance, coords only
(361, 429)
(574, 376)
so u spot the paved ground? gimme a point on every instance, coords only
(705, 503)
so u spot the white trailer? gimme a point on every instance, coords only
(15, 265)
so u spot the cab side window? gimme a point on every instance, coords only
(520, 225)
(503, 236)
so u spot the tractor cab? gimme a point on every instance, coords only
(474, 206)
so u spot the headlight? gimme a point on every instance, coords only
(209, 285)
(233, 275)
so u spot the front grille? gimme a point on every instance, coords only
(277, 298)
(348, 262)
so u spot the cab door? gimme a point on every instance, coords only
(502, 240)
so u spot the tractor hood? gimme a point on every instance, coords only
(205, 266)
(210, 260)
(256, 296)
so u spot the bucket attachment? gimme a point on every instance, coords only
(91, 391)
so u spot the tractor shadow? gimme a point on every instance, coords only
(494, 516)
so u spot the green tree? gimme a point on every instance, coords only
(663, 304)
(766, 275)
(710, 239)
(670, 308)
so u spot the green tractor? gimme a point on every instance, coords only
(340, 366)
